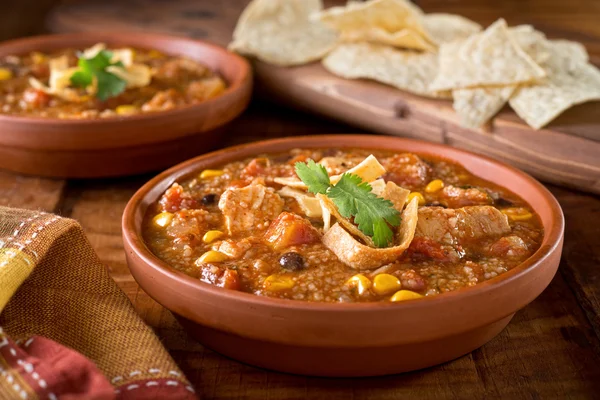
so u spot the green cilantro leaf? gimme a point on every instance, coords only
(109, 85)
(353, 198)
(314, 175)
(372, 214)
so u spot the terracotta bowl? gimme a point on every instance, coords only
(122, 145)
(343, 340)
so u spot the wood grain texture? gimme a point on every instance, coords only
(551, 349)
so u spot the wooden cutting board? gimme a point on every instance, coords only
(566, 152)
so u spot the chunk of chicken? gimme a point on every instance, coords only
(249, 208)
(456, 197)
(234, 249)
(449, 226)
(188, 226)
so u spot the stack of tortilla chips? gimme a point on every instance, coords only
(433, 55)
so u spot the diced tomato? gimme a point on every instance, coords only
(256, 167)
(229, 280)
(290, 229)
(238, 183)
(298, 158)
(176, 199)
(36, 98)
(424, 247)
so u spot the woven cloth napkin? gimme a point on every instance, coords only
(66, 330)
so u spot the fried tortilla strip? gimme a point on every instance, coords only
(310, 205)
(356, 255)
(396, 194)
(489, 58)
(350, 227)
(280, 32)
(368, 170)
(406, 70)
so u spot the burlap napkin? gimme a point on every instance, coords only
(66, 330)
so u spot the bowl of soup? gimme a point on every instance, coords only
(108, 104)
(343, 255)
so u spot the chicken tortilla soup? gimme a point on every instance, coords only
(99, 82)
(341, 226)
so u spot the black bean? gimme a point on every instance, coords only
(291, 261)
(502, 202)
(209, 199)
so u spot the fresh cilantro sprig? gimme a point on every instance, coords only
(353, 198)
(109, 85)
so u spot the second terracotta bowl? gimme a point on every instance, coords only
(123, 145)
(363, 339)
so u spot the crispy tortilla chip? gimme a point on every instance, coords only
(443, 28)
(392, 22)
(350, 227)
(533, 42)
(476, 106)
(310, 205)
(368, 170)
(570, 81)
(358, 256)
(409, 71)
(487, 58)
(396, 194)
(405, 38)
(280, 32)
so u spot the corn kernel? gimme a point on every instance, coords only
(211, 173)
(5, 74)
(385, 284)
(211, 256)
(211, 236)
(434, 186)
(163, 219)
(517, 213)
(418, 195)
(126, 109)
(402, 295)
(155, 54)
(276, 283)
(360, 282)
(38, 58)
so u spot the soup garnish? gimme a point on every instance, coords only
(99, 82)
(345, 225)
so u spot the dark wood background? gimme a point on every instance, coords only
(551, 349)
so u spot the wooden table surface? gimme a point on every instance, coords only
(551, 349)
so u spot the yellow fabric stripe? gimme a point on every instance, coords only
(15, 267)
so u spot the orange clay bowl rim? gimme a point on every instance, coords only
(134, 238)
(53, 41)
